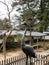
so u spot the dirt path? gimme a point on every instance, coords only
(9, 54)
(13, 53)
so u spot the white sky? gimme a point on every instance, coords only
(3, 9)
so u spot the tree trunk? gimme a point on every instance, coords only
(4, 46)
(9, 20)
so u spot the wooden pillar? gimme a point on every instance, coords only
(44, 40)
(37, 43)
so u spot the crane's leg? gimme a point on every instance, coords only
(26, 60)
(30, 60)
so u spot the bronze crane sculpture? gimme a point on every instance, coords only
(28, 50)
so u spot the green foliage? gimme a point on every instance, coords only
(18, 37)
(6, 20)
(5, 23)
(43, 14)
(10, 39)
(1, 20)
(14, 4)
(28, 16)
(10, 43)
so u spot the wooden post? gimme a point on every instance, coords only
(37, 43)
(44, 40)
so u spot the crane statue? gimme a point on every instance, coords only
(28, 50)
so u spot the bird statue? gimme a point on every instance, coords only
(28, 50)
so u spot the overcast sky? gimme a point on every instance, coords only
(3, 9)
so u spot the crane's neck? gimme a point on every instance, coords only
(23, 37)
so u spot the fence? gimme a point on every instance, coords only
(21, 60)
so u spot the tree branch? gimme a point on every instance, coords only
(11, 10)
(5, 5)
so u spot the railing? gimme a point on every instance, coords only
(21, 60)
